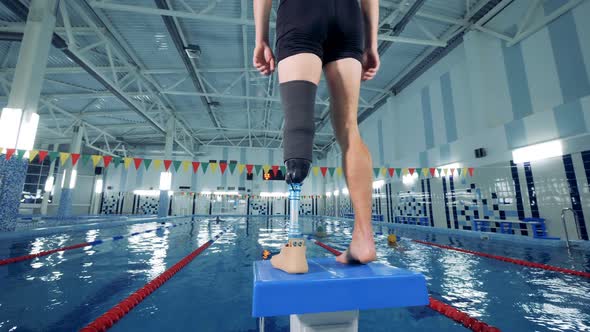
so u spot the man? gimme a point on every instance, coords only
(340, 38)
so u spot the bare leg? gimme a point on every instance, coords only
(300, 67)
(344, 79)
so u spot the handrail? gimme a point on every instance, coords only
(567, 239)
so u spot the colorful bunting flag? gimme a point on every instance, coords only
(284, 170)
(137, 162)
(9, 153)
(147, 163)
(177, 164)
(376, 171)
(157, 164)
(75, 158)
(331, 170)
(167, 164)
(85, 158)
(20, 154)
(196, 165)
(117, 162)
(42, 155)
(63, 157)
(33, 154)
(95, 159)
(425, 172)
(53, 155)
(222, 167)
(316, 170)
(107, 161)
(126, 161)
(213, 167)
(232, 166)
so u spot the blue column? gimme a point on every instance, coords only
(65, 203)
(12, 180)
(164, 197)
(164, 203)
(70, 174)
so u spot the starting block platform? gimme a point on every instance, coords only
(334, 289)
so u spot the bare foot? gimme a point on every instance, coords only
(361, 249)
(292, 258)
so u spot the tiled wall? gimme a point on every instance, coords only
(505, 191)
(188, 203)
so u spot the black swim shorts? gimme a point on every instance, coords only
(330, 29)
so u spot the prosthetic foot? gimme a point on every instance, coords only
(297, 170)
(291, 259)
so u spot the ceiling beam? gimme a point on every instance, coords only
(177, 38)
(401, 25)
(170, 13)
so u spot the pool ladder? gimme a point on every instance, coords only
(567, 239)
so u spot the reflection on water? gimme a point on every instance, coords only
(155, 246)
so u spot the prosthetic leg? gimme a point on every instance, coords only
(298, 103)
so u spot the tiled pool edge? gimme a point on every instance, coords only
(584, 245)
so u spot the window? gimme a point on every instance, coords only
(37, 175)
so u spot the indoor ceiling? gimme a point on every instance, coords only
(122, 69)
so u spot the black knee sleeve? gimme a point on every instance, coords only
(298, 99)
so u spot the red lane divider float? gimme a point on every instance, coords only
(43, 253)
(443, 308)
(113, 315)
(12, 260)
(330, 249)
(460, 317)
(510, 260)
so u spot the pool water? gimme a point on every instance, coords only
(67, 290)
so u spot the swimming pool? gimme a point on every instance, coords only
(66, 290)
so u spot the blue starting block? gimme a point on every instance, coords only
(330, 295)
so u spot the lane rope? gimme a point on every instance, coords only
(113, 315)
(443, 308)
(17, 259)
(509, 260)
